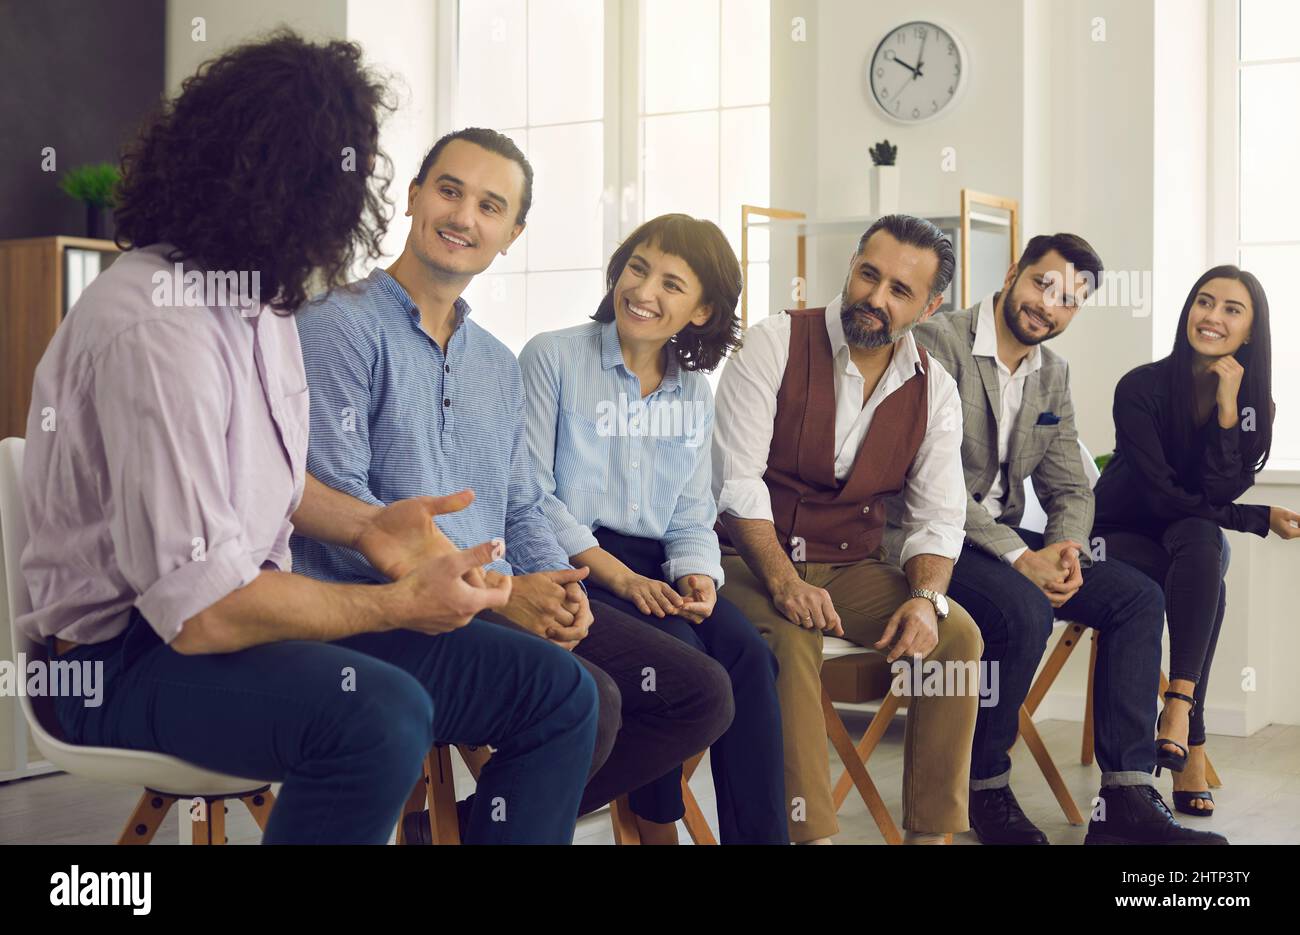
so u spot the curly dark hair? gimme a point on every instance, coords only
(265, 162)
(706, 251)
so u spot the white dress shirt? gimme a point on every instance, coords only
(1011, 393)
(934, 498)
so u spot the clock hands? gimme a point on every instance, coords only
(920, 52)
(916, 72)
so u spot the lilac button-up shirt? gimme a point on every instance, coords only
(166, 451)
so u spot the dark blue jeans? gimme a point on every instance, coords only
(344, 726)
(746, 761)
(1015, 618)
(1189, 560)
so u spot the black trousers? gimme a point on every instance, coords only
(746, 761)
(641, 735)
(1189, 559)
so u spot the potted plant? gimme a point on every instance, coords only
(96, 186)
(884, 179)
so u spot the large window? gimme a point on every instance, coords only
(626, 111)
(1268, 193)
(705, 116)
(534, 69)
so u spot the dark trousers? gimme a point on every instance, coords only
(1189, 561)
(1015, 619)
(746, 760)
(345, 725)
(641, 732)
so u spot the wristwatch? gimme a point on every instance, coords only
(934, 597)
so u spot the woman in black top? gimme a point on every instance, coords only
(1191, 432)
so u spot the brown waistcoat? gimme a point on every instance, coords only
(817, 518)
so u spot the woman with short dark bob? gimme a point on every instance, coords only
(620, 422)
(1191, 432)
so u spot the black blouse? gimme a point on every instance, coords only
(1148, 484)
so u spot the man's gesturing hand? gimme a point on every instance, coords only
(403, 535)
(435, 596)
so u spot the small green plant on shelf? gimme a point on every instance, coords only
(95, 184)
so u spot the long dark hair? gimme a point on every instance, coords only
(264, 162)
(705, 249)
(1256, 358)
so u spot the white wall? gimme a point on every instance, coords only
(400, 41)
(400, 38)
(233, 21)
(984, 126)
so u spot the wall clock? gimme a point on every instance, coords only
(916, 72)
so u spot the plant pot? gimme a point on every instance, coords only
(98, 220)
(885, 181)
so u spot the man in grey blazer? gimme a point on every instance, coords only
(1018, 423)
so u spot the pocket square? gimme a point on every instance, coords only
(1047, 418)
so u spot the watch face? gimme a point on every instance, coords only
(941, 604)
(916, 72)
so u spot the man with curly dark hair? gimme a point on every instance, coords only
(409, 395)
(161, 508)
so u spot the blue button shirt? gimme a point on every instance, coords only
(393, 417)
(608, 458)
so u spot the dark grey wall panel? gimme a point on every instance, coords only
(78, 75)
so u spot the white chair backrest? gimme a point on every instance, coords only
(1034, 518)
(13, 539)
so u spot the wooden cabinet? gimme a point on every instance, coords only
(40, 278)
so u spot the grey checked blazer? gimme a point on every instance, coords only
(1044, 443)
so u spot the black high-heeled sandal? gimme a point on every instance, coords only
(1168, 759)
(1183, 803)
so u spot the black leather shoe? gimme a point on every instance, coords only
(996, 818)
(1138, 815)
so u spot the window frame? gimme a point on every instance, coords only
(1226, 242)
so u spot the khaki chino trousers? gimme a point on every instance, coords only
(937, 742)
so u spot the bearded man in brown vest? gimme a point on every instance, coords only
(821, 416)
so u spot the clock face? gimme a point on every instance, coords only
(916, 71)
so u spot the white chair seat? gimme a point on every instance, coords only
(834, 646)
(155, 771)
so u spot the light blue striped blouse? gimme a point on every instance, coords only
(607, 458)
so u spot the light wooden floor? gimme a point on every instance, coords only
(1259, 803)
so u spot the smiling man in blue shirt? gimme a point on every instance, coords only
(408, 393)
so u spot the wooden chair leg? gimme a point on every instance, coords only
(444, 827)
(696, 824)
(1211, 776)
(1064, 646)
(840, 739)
(475, 758)
(1085, 754)
(625, 829)
(1053, 776)
(691, 765)
(416, 801)
(259, 805)
(875, 731)
(210, 827)
(148, 815)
